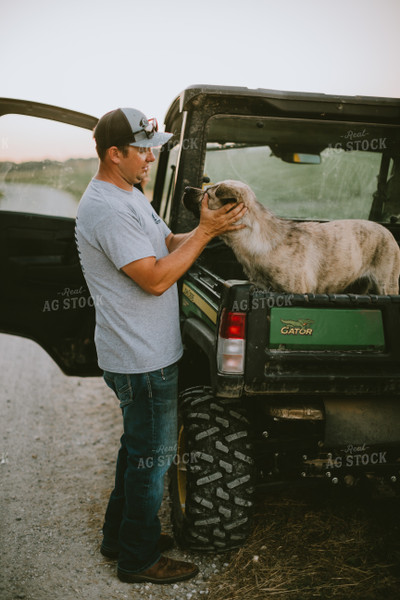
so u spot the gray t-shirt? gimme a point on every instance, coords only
(136, 332)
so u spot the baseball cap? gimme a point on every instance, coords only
(128, 126)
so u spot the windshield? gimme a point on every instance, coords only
(309, 170)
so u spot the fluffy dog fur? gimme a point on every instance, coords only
(311, 257)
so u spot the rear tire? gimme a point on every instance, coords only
(212, 480)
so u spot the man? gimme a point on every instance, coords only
(131, 260)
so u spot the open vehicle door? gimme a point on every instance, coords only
(47, 158)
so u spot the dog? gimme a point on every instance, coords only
(276, 254)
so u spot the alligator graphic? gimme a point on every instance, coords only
(303, 323)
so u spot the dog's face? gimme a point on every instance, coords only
(225, 192)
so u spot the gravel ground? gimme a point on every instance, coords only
(58, 443)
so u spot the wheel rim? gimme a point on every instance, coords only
(181, 470)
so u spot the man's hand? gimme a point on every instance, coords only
(215, 222)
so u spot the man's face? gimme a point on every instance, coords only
(135, 165)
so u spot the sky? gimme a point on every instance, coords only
(95, 55)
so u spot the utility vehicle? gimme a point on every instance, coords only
(276, 388)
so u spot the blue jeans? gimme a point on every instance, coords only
(148, 446)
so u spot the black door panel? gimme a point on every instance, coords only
(47, 160)
(43, 292)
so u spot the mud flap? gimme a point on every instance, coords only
(361, 421)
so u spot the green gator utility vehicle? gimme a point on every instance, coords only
(276, 388)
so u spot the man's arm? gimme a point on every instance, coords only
(174, 240)
(156, 276)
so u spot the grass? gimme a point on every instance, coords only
(70, 176)
(342, 186)
(317, 544)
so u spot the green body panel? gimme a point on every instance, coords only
(326, 329)
(195, 302)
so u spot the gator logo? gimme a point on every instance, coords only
(299, 327)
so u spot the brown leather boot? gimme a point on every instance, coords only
(166, 570)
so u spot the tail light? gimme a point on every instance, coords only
(231, 342)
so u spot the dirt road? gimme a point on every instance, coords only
(58, 442)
